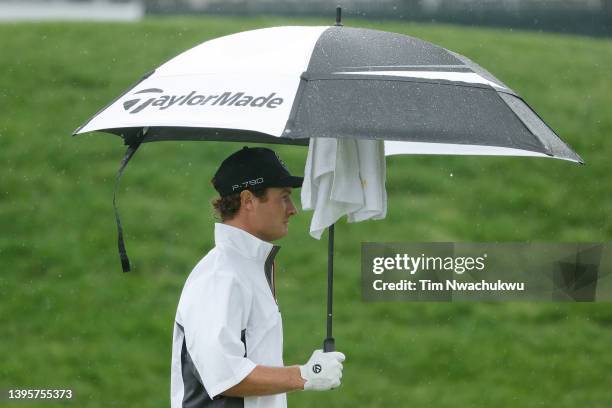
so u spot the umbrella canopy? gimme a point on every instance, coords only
(287, 84)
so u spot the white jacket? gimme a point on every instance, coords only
(227, 322)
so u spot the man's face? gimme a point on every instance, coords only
(270, 218)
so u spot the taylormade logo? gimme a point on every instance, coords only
(162, 101)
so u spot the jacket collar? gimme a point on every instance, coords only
(245, 243)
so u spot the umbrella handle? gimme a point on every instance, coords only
(329, 343)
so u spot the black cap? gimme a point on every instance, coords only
(253, 168)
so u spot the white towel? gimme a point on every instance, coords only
(344, 177)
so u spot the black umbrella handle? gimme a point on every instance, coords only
(329, 343)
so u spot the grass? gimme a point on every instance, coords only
(70, 319)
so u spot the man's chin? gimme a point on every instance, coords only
(283, 231)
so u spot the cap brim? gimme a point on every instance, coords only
(290, 181)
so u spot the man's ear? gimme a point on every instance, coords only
(246, 200)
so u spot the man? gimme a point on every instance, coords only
(228, 340)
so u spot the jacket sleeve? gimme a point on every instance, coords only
(214, 313)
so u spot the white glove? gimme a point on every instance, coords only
(323, 371)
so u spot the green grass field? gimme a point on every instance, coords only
(70, 319)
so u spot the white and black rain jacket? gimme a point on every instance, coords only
(227, 322)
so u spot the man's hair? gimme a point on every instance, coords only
(227, 207)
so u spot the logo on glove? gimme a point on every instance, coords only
(316, 368)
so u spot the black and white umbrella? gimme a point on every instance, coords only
(288, 84)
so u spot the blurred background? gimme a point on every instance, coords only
(70, 319)
(592, 17)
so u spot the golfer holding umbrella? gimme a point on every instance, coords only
(287, 85)
(228, 340)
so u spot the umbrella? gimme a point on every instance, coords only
(288, 84)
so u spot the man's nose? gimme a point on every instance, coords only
(291, 210)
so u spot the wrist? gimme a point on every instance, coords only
(297, 380)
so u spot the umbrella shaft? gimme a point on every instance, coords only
(328, 344)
